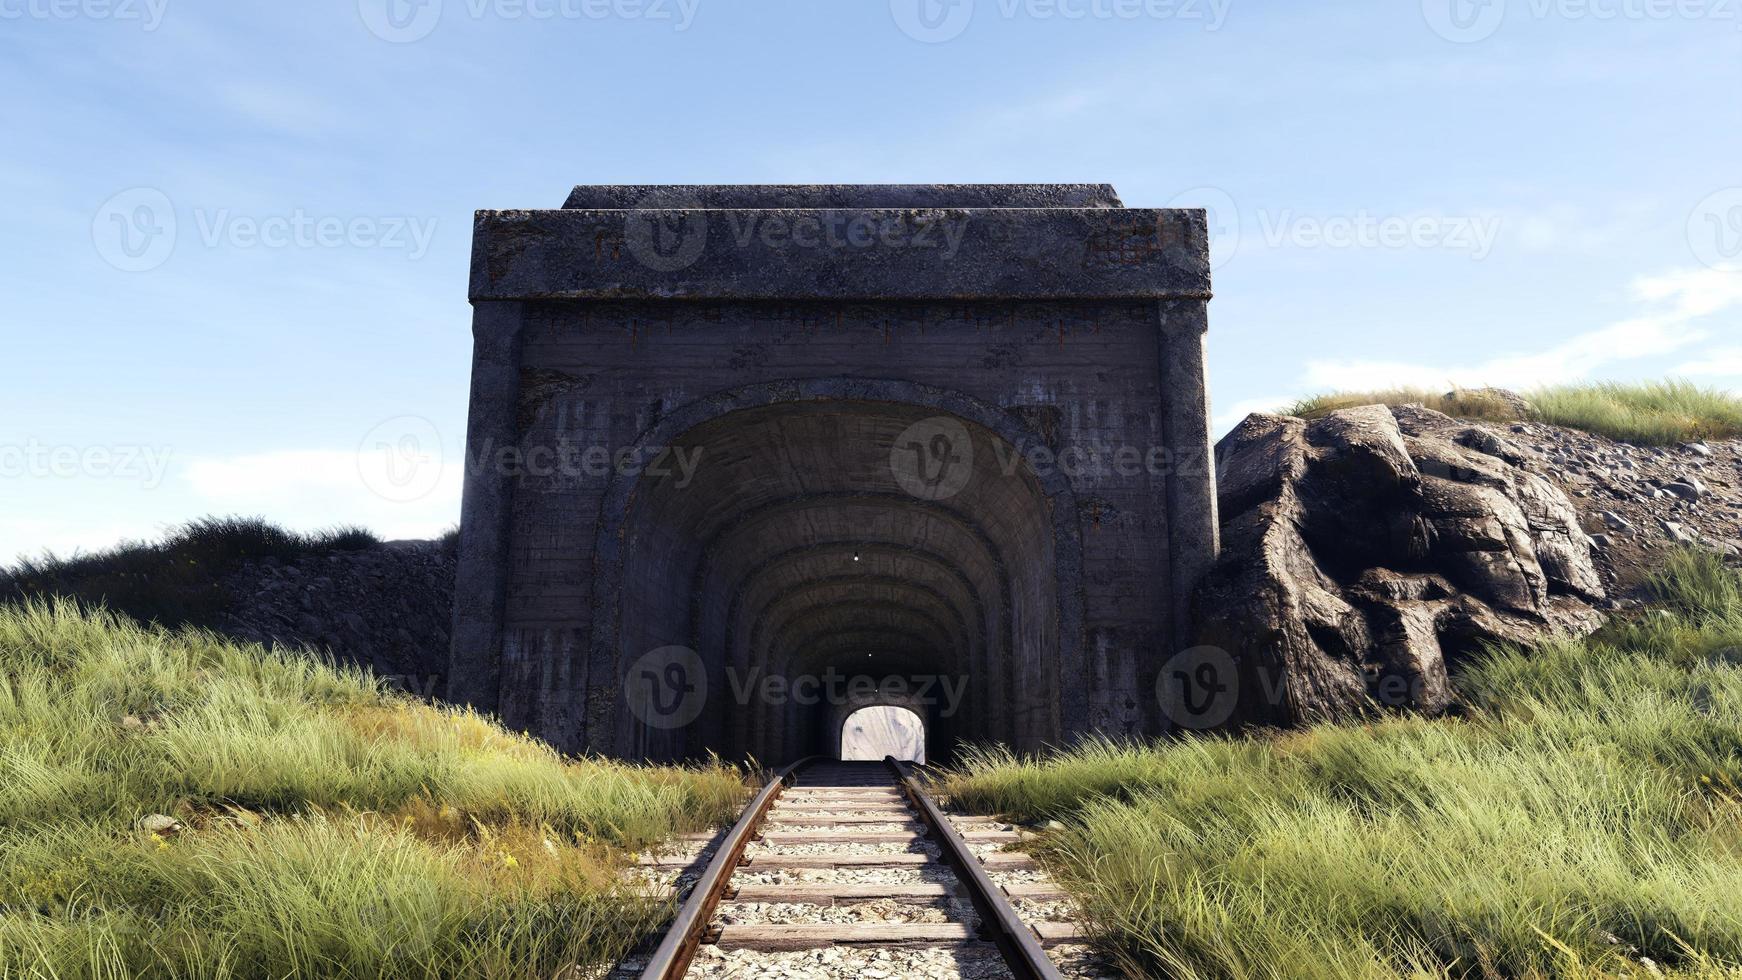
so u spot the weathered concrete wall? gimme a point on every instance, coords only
(701, 448)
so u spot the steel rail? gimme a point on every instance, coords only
(672, 959)
(998, 919)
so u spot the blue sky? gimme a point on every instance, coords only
(1427, 191)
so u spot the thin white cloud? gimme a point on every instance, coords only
(1566, 229)
(317, 488)
(1695, 292)
(1719, 362)
(31, 537)
(1681, 298)
(1229, 417)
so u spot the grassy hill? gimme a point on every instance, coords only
(1661, 413)
(176, 581)
(1583, 819)
(173, 805)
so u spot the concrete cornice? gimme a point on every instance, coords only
(841, 254)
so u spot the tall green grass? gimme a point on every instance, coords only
(1585, 817)
(1657, 413)
(330, 828)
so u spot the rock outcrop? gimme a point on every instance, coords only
(1366, 552)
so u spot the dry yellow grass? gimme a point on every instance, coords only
(1658, 413)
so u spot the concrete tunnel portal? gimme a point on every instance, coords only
(939, 448)
(828, 555)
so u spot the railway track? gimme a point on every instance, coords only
(855, 870)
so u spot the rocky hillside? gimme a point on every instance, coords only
(386, 606)
(1369, 550)
(1637, 501)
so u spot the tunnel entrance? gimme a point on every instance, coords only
(873, 734)
(818, 555)
(731, 476)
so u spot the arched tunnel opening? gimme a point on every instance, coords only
(830, 554)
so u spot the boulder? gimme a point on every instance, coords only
(1366, 552)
